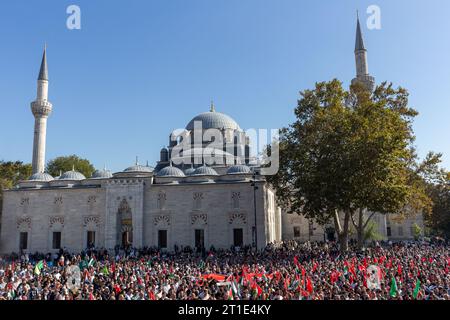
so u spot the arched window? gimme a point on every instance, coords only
(235, 197)
(161, 202)
(198, 197)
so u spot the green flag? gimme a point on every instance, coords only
(38, 267)
(416, 289)
(83, 265)
(91, 262)
(394, 290)
(105, 270)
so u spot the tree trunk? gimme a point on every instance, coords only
(343, 242)
(360, 230)
(342, 231)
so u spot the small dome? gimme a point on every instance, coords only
(189, 171)
(214, 120)
(72, 175)
(41, 176)
(204, 171)
(139, 168)
(102, 174)
(239, 169)
(170, 172)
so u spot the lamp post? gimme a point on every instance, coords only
(255, 187)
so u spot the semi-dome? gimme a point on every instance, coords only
(102, 174)
(204, 171)
(170, 171)
(239, 169)
(72, 175)
(139, 168)
(215, 120)
(41, 176)
(189, 171)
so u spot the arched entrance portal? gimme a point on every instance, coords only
(125, 224)
(127, 237)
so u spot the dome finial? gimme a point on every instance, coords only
(104, 166)
(137, 160)
(73, 167)
(213, 108)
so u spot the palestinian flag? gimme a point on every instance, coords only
(294, 285)
(235, 288)
(91, 262)
(394, 290)
(230, 294)
(257, 291)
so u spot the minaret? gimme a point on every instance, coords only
(362, 68)
(41, 109)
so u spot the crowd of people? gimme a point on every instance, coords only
(287, 271)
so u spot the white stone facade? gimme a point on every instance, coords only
(217, 207)
(388, 227)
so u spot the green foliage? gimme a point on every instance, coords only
(67, 163)
(438, 219)
(349, 151)
(417, 231)
(371, 232)
(10, 174)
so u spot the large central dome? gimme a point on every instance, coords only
(213, 120)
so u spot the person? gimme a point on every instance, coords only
(149, 274)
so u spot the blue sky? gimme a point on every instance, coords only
(138, 69)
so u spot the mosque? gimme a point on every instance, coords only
(202, 196)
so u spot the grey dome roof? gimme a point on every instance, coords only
(41, 176)
(139, 168)
(239, 169)
(213, 119)
(102, 174)
(204, 171)
(189, 171)
(72, 175)
(170, 172)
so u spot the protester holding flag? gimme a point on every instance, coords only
(289, 271)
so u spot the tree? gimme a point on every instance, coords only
(417, 231)
(438, 220)
(10, 174)
(348, 152)
(67, 163)
(371, 232)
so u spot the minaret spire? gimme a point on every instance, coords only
(43, 72)
(41, 109)
(362, 68)
(359, 43)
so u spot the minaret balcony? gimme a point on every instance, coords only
(41, 108)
